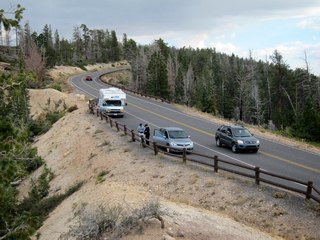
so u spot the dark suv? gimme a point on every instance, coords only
(237, 138)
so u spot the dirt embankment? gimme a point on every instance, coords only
(199, 204)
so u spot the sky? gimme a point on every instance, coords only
(241, 27)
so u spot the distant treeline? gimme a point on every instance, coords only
(266, 93)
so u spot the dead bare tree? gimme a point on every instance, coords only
(188, 84)
(171, 74)
(35, 63)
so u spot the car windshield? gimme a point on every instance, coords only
(177, 134)
(241, 133)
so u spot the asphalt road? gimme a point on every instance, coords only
(272, 156)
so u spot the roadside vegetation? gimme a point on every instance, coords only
(19, 220)
(43, 123)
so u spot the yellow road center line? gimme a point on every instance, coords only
(212, 135)
(291, 162)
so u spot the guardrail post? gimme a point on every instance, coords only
(98, 112)
(132, 135)
(107, 118)
(101, 115)
(257, 175)
(125, 129)
(91, 106)
(184, 155)
(309, 190)
(117, 126)
(155, 148)
(215, 163)
(110, 120)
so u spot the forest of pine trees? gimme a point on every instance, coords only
(266, 93)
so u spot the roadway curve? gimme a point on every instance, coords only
(273, 156)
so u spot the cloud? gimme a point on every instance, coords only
(228, 48)
(229, 26)
(294, 54)
(310, 23)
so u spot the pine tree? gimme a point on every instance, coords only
(114, 47)
(157, 76)
(281, 89)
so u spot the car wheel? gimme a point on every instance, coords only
(218, 142)
(255, 150)
(234, 148)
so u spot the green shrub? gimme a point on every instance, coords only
(57, 86)
(100, 177)
(40, 126)
(39, 189)
(72, 108)
(43, 207)
(39, 209)
(82, 65)
(32, 163)
(53, 117)
(279, 194)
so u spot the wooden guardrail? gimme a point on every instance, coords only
(256, 173)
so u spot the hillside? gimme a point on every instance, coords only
(198, 204)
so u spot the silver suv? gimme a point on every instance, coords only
(172, 139)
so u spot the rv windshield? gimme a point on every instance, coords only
(113, 103)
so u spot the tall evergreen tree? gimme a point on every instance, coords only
(56, 47)
(86, 41)
(157, 76)
(114, 47)
(130, 49)
(281, 89)
(78, 51)
(218, 82)
(307, 125)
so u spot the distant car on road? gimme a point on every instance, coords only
(88, 78)
(237, 138)
(173, 139)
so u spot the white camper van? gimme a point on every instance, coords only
(112, 101)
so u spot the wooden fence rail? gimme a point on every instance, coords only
(310, 191)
